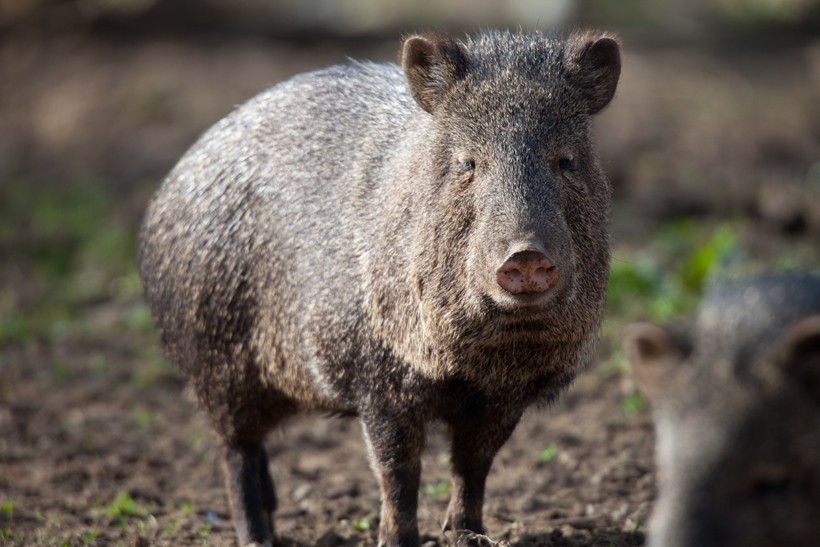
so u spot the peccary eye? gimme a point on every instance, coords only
(566, 163)
(771, 481)
(466, 165)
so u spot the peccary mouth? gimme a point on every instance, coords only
(527, 302)
(525, 299)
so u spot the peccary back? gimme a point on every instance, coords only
(738, 421)
(399, 243)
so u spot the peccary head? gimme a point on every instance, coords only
(517, 215)
(737, 411)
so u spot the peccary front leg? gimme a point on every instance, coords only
(268, 490)
(251, 492)
(477, 435)
(395, 444)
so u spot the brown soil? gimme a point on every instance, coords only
(71, 444)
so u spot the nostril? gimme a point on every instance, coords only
(514, 275)
(544, 271)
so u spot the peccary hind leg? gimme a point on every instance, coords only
(251, 492)
(395, 445)
(476, 438)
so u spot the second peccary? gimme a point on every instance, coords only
(403, 244)
(737, 409)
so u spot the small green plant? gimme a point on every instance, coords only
(142, 418)
(437, 490)
(90, 536)
(205, 530)
(706, 259)
(363, 524)
(7, 508)
(125, 506)
(149, 523)
(170, 530)
(549, 453)
(633, 404)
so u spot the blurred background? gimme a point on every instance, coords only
(712, 145)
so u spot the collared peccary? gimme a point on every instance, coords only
(403, 244)
(737, 408)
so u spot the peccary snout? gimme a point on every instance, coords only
(527, 269)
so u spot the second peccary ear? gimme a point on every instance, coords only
(593, 63)
(802, 354)
(657, 356)
(432, 64)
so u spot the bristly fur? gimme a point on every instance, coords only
(323, 247)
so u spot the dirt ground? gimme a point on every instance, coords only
(100, 440)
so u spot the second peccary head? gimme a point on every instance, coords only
(518, 217)
(737, 410)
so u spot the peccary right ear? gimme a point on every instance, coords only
(432, 64)
(657, 356)
(593, 63)
(802, 358)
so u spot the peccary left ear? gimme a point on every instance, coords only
(593, 63)
(432, 64)
(802, 354)
(657, 355)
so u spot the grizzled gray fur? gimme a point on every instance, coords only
(737, 409)
(402, 244)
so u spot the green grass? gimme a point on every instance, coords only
(363, 524)
(124, 505)
(549, 453)
(437, 490)
(70, 249)
(142, 418)
(208, 528)
(7, 509)
(633, 404)
(360, 525)
(667, 280)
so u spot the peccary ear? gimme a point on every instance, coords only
(432, 64)
(802, 359)
(656, 354)
(593, 62)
